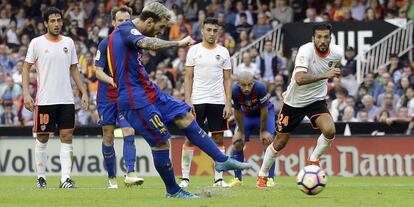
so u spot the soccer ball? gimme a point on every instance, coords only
(311, 180)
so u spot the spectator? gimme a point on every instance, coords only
(407, 71)
(261, 28)
(407, 100)
(230, 15)
(283, 13)
(180, 29)
(388, 104)
(370, 107)
(17, 72)
(370, 85)
(228, 27)
(363, 116)
(395, 68)
(384, 116)
(402, 116)
(276, 98)
(190, 9)
(12, 89)
(198, 25)
(8, 117)
(349, 115)
(244, 25)
(370, 15)
(358, 8)
(311, 16)
(179, 62)
(248, 66)
(240, 11)
(389, 89)
(379, 10)
(268, 66)
(338, 104)
(5, 60)
(243, 41)
(403, 85)
(76, 12)
(347, 15)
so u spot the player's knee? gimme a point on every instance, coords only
(187, 143)
(128, 131)
(43, 138)
(280, 142)
(238, 145)
(183, 122)
(329, 133)
(66, 136)
(161, 146)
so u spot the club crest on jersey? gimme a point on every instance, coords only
(42, 127)
(65, 49)
(301, 59)
(135, 32)
(330, 63)
(98, 55)
(218, 57)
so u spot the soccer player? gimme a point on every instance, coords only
(208, 91)
(144, 106)
(108, 112)
(56, 62)
(316, 62)
(252, 109)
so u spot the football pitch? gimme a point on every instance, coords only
(91, 191)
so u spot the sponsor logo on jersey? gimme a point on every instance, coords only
(98, 55)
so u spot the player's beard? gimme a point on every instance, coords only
(320, 50)
(53, 32)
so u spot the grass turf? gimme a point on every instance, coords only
(340, 191)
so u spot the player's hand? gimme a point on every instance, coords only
(28, 102)
(188, 41)
(112, 83)
(227, 112)
(265, 138)
(238, 135)
(85, 102)
(336, 72)
(191, 105)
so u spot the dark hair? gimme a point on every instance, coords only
(243, 15)
(211, 20)
(322, 26)
(147, 14)
(49, 11)
(394, 55)
(120, 9)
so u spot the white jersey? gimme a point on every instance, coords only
(52, 60)
(209, 65)
(310, 61)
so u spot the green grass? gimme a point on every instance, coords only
(358, 191)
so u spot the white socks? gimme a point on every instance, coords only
(186, 158)
(219, 175)
(41, 158)
(268, 160)
(322, 144)
(66, 152)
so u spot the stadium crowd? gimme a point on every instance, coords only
(384, 96)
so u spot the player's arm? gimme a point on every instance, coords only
(188, 83)
(78, 80)
(264, 111)
(227, 90)
(28, 101)
(238, 116)
(102, 76)
(153, 43)
(302, 77)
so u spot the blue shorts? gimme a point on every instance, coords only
(150, 121)
(108, 115)
(251, 123)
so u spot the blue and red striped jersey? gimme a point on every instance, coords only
(135, 90)
(250, 104)
(106, 93)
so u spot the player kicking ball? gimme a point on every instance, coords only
(147, 108)
(252, 110)
(316, 62)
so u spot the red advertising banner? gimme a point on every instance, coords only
(359, 156)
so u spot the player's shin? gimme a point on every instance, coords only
(186, 158)
(268, 160)
(129, 153)
(66, 152)
(199, 137)
(239, 156)
(108, 153)
(41, 158)
(164, 167)
(322, 145)
(219, 175)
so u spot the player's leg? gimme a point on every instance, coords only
(270, 127)
(150, 124)
(107, 115)
(321, 118)
(217, 125)
(179, 111)
(288, 119)
(44, 124)
(188, 148)
(65, 120)
(238, 145)
(129, 152)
